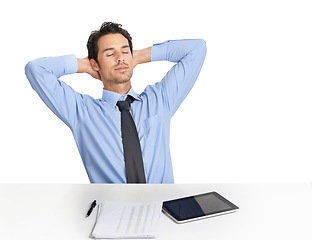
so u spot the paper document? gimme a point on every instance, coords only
(127, 220)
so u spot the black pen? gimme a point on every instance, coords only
(91, 208)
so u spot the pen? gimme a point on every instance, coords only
(91, 208)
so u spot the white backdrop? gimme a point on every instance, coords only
(248, 117)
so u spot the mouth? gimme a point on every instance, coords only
(121, 68)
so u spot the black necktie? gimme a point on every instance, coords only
(131, 144)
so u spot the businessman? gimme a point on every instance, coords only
(122, 137)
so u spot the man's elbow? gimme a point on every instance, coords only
(201, 48)
(33, 71)
(30, 69)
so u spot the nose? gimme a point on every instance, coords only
(120, 58)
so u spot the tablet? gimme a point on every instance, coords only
(198, 207)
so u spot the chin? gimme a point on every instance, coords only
(124, 78)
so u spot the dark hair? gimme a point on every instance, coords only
(106, 28)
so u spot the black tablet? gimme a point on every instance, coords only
(198, 207)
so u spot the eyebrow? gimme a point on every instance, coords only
(108, 49)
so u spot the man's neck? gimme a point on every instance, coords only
(121, 89)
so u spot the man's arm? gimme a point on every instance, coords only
(189, 56)
(43, 75)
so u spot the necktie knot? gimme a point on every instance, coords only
(123, 106)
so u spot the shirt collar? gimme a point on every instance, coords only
(112, 97)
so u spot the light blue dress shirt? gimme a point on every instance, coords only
(95, 123)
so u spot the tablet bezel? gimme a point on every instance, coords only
(233, 208)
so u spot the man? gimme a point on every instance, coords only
(96, 123)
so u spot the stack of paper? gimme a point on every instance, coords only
(127, 220)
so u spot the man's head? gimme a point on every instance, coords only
(110, 53)
(106, 28)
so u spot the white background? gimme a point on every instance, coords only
(248, 117)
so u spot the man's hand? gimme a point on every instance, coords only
(84, 66)
(141, 56)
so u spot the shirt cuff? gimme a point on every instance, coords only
(70, 64)
(159, 51)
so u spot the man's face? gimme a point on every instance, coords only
(115, 62)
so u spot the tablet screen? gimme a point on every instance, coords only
(199, 206)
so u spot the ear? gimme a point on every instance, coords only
(95, 66)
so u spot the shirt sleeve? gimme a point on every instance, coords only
(189, 56)
(43, 75)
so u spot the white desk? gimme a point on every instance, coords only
(56, 211)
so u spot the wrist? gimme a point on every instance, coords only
(83, 65)
(142, 56)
